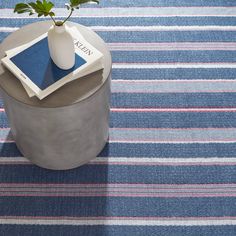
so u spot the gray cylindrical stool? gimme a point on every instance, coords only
(70, 126)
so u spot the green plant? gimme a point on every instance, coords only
(44, 8)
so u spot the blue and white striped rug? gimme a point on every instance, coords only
(169, 167)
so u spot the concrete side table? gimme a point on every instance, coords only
(70, 126)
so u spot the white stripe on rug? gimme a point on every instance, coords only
(164, 28)
(172, 135)
(140, 160)
(121, 190)
(163, 161)
(172, 65)
(173, 142)
(181, 86)
(148, 28)
(119, 109)
(130, 221)
(130, 135)
(172, 46)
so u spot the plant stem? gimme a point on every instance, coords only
(71, 11)
(53, 19)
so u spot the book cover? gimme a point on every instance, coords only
(32, 64)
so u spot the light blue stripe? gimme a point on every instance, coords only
(170, 36)
(169, 86)
(173, 56)
(3, 36)
(173, 74)
(135, 11)
(5, 134)
(141, 3)
(159, 135)
(143, 135)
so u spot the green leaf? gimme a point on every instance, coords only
(89, 1)
(76, 3)
(42, 8)
(32, 4)
(23, 8)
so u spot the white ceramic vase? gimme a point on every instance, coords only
(61, 46)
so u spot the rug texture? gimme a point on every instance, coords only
(169, 167)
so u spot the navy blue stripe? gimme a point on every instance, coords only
(173, 74)
(169, 150)
(141, 3)
(149, 150)
(170, 74)
(101, 230)
(173, 100)
(1, 102)
(120, 174)
(132, 21)
(187, 56)
(162, 100)
(3, 120)
(117, 206)
(9, 150)
(166, 119)
(173, 119)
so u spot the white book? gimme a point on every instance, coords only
(32, 65)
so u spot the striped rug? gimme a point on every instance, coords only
(169, 167)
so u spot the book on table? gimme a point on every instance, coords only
(32, 65)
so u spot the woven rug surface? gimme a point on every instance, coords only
(169, 167)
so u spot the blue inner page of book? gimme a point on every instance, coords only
(36, 64)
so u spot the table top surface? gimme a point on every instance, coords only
(69, 94)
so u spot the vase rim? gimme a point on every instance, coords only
(59, 28)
